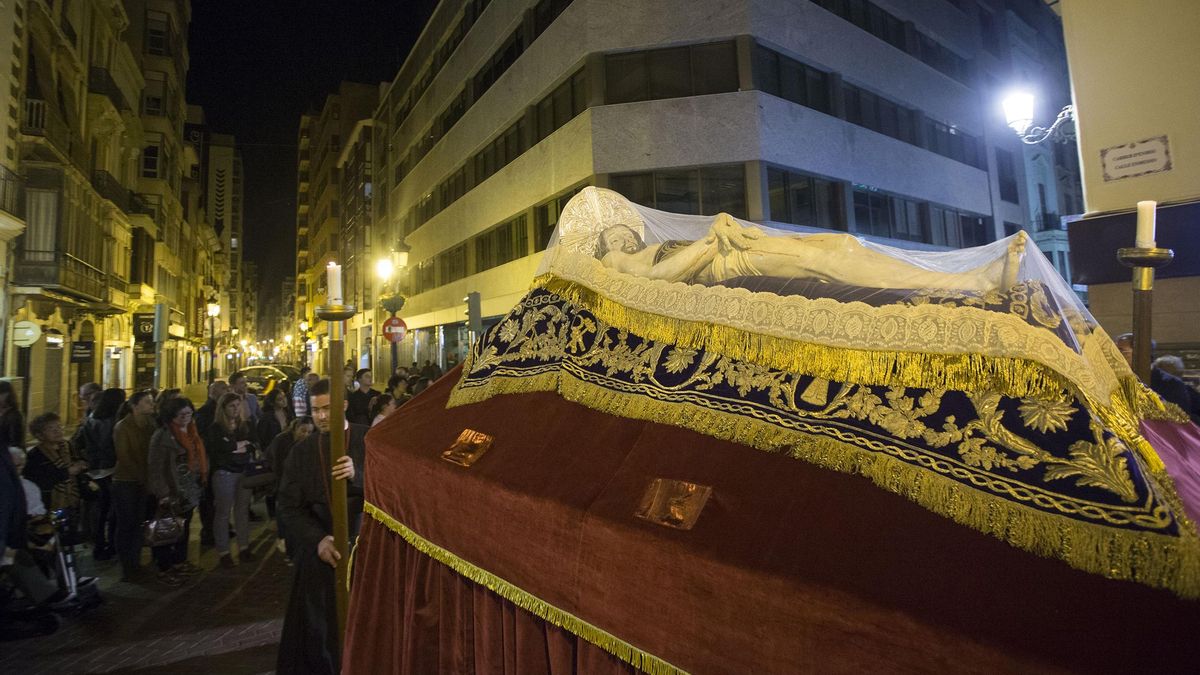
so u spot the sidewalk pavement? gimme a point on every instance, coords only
(222, 621)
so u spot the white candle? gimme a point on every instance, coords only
(334, 274)
(1145, 224)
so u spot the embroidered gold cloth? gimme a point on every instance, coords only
(1043, 466)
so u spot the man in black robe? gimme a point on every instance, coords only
(310, 643)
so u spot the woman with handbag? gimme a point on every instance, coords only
(177, 468)
(228, 442)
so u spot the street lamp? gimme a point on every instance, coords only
(1018, 114)
(214, 310)
(392, 301)
(304, 344)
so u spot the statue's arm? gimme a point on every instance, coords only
(686, 262)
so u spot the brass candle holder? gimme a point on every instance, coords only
(1143, 261)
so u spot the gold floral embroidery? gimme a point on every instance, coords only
(1045, 415)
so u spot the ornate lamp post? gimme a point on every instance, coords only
(304, 343)
(1144, 257)
(213, 310)
(390, 298)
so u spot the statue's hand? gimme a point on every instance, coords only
(733, 237)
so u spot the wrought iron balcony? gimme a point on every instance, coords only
(100, 81)
(42, 119)
(12, 193)
(1048, 221)
(111, 189)
(60, 271)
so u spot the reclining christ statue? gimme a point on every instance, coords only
(732, 250)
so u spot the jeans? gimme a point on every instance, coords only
(229, 494)
(129, 504)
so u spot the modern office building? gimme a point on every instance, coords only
(882, 119)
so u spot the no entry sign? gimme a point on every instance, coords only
(394, 329)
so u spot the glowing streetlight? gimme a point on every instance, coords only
(384, 269)
(1018, 111)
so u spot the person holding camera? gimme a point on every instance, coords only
(230, 449)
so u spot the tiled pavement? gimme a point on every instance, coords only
(223, 621)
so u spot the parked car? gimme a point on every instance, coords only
(262, 379)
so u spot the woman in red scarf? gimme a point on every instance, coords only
(177, 468)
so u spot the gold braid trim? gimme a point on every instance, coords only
(1152, 559)
(1011, 376)
(644, 661)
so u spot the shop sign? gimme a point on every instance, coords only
(25, 333)
(83, 351)
(143, 327)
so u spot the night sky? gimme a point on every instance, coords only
(257, 66)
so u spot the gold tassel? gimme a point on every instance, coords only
(610, 643)
(1153, 559)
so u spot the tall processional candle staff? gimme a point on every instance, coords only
(336, 313)
(1144, 257)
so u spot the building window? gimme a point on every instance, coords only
(787, 78)
(1006, 173)
(876, 113)
(452, 264)
(562, 105)
(705, 191)
(152, 157)
(671, 73)
(804, 200)
(954, 143)
(154, 96)
(158, 32)
(501, 244)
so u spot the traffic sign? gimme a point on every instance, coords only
(394, 329)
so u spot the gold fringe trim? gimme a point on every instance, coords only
(971, 372)
(646, 662)
(1016, 377)
(1152, 559)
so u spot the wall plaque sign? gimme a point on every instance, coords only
(1149, 155)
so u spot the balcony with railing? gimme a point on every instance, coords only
(100, 81)
(41, 119)
(12, 193)
(1048, 221)
(60, 271)
(111, 189)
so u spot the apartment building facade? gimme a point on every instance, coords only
(321, 138)
(108, 278)
(878, 118)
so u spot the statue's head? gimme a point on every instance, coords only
(618, 238)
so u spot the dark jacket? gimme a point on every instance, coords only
(221, 444)
(205, 416)
(101, 450)
(12, 429)
(358, 406)
(268, 427)
(12, 504)
(1175, 390)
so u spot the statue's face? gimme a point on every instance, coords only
(621, 238)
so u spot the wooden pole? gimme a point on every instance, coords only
(336, 315)
(1143, 261)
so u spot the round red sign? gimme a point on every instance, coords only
(394, 329)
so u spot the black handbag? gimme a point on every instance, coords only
(163, 529)
(258, 472)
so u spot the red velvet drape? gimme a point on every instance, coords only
(791, 568)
